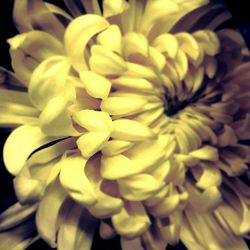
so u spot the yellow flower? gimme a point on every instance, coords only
(130, 121)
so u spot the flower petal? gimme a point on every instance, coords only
(95, 85)
(76, 182)
(78, 34)
(91, 142)
(47, 215)
(139, 187)
(20, 144)
(55, 119)
(77, 229)
(132, 221)
(125, 129)
(49, 80)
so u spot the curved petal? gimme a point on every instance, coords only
(78, 34)
(132, 221)
(55, 119)
(75, 181)
(20, 144)
(77, 229)
(49, 80)
(47, 214)
(29, 14)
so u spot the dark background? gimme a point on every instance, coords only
(241, 18)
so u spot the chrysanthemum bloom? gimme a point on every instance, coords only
(129, 120)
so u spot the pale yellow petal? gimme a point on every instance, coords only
(78, 34)
(92, 142)
(111, 38)
(139, 187)
(47, 215)
(20, 144)
(114, 63)
(76, 182)
(114, 7)
(123, 105)
(55, 120)
(93, 120)
(125, 129)
(132, 221)
(95, 85)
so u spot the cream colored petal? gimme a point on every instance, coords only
(27, 189)
(114, 64)
(75, 181)
(132, 221)
(206, 153)
(20, 237)
(37, 44)
(106, 205)
(114, 7)
(125, 129)
(210, 176)
(208, 40)
(92, 142)
(13, 121)
(154, 11)
(20, 144)
(139, 84)
(120, 166)
(166, 206)
(157, 58)
(47, 214)
(78, 34)
(77, 229)
(166, 43)
(180, 63)
(134, 44)
(111, 38)
(55, 119)
(29, 15)
(115, 147)
(140, 71)
(15, 215)
(51, 152)
(188, 44)
(122, 105)
(208, 200)
(95, 85)
(139, 187)
(48, 81)
(94, 120)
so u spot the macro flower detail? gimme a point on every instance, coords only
(130, 119)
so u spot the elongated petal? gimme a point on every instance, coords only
(111, 38)
(77, 229)
(78, 34)
(132, 221)
(93, 120)
(20, 144)
(114, 64)
(16, 215)
(125, 129)
(92, 142)
(95, 85)
(114, 7)
(47, 215)
(76, 182)
(139, 187)
(30, 14)
(55, 119)
(48, 80)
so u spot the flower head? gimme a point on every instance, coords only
(130, 120)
